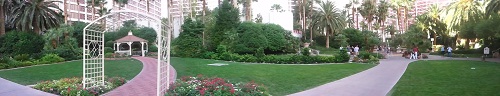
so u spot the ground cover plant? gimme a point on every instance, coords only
(279, 79)
(127, 69)
(448, 78)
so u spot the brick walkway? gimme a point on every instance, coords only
(144, 84)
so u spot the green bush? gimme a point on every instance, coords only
(364, 55)
(109, 55)
(343, 56)
(22, 57)
(152, 48)
(305, 52)
(52, 58)
(14, 43)
(208, 55)
(109, 50)
(67, 54)
(373, 60)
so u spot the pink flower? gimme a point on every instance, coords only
(202, 91)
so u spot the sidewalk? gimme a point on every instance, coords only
(8, 88)
(377, 81)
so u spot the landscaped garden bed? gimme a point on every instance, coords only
(203, 86)
(449, 78)
(73, 86)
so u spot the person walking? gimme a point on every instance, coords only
(449, 51)
(442, 50)
(356, 50)
(415, 52)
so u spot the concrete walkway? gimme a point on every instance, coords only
(376, 81)
(144, 84)
(8, 88)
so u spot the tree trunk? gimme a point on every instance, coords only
(93, 11)
(65, 11)
(327, 38)
(36, 26)
(2, 21)
(54, 43)
(467, 43)
(311, 33)
(248, 14)
(435, 39)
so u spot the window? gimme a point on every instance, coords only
(82, 16)
(82, 8)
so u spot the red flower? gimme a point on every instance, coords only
(202, 91)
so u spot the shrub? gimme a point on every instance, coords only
(373, 60)
(22, 57)
(207, 55)
(202, 86)
(52, 58)
(109, 55)
(305, 51)
(14, 43)
(152, 48)
(364, 55)
(343, 56)
(67, 54)
(109, 50)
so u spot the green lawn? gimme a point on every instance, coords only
(450, 78)
(279, 79)
(28, 76)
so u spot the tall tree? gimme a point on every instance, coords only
(329, 18)
(368, 10)
(5, 5)
(227, 19)
(247, 8)
(492, 7)
(462, 11)
(37, 15)
(382, 14)
(353, 4)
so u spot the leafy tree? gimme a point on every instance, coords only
(189, 41)
(368, 10)
(59, 36)
(341, 40)
(130, 23)
(462, 11)
(354, 36)
(147, 33)
(275, 35)
(415, 37)
(227, 20)
(78, 32)
(37, 15)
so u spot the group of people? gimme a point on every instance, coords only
(447, 51)
(353, 50)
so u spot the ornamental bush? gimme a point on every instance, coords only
(203, 86)
(14, 43)
(52, 58)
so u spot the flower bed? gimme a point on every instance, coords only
(203, 86)
(73, 86)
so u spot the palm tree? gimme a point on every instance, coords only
(37, 15)
(382, 12)
(406, 4)
(368, 11)
(4, 5)
(462, 11)
(492, 7)
(247, 8)
(65, 3)
(329, 18)
(277, 8)
(435, 18)
(352, 4)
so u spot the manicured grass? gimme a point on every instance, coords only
(450, 78)
(113, 68)
(279, 79)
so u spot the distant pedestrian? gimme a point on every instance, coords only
(442, 50)
(449, 51)
(356, 50)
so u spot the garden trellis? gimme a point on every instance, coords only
(93, 51)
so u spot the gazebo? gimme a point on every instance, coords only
(128, 45)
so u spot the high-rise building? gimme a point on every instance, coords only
(180, 9)
(79, 10)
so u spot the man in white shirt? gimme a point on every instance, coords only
(356, 50)
(449, 51)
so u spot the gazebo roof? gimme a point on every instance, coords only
(131, 38)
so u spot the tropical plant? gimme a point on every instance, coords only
(329, 18)
(493, 7)
(460, 12)
(37, 15)
(57, 36)
(382, 14)
(368, 10)
(4, 5)
(277, 8)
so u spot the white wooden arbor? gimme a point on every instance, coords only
(93, 51)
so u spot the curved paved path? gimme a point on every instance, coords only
(144, 84)
(376, 81)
